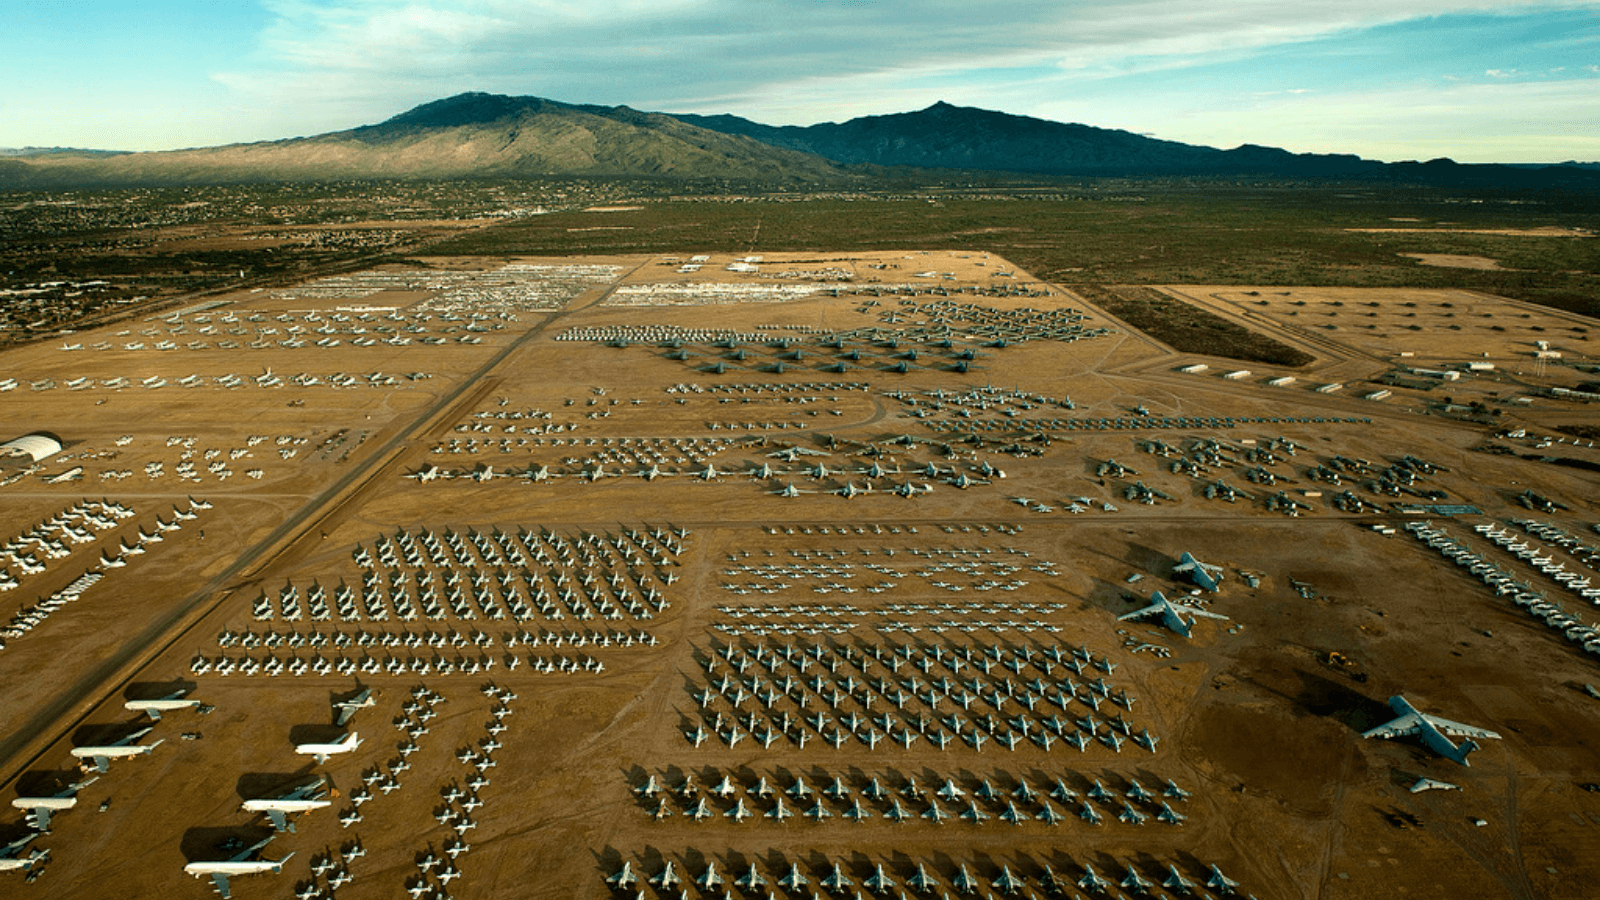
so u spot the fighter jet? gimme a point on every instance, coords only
(1133, 881)
(1202, 574)
(321, 752)
(964, 882)
(794, 880)
(712, 878)
(1431, 729)
(666, 878)
(41, 808)
(1172, 614)
(1221, 883)
(922, 882)
(879, 882)
(1091, 880)
(238, 864)
(1008, 882)
(301, 799)
(836, 881)
(1176, 882)
(751, 879)
(102, 755)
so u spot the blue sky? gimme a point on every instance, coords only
(1475, 80)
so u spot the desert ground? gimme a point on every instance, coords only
(636, 554)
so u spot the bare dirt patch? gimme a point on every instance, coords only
(1457, 261)
(1542, 231)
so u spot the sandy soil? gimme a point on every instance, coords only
(1254, 719)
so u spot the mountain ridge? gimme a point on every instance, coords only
(483, 135)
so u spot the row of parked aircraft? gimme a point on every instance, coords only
(837, 881)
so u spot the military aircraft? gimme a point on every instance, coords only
(12, 858)
(1220, 883)
(346, 709)
(1172, 614)
(1091, 880)
(964, 882)
(1133, 881)
(1007, 882)
(1176, 882)
(304, 798)
(879, 882)
(40, 808)
(102, 755)
(712, 878)
(794, 880)
(922, 882)
(1432, 730)
(836, 881)
(321, 752)
(1202, 574)
(666, 878)
(238, 864)
(622, 877)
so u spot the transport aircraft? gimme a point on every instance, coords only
(1434, 731)
(1202, 574)
(1172, 614)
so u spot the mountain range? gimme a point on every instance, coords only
(478, 135)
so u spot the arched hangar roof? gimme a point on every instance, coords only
(37, 445)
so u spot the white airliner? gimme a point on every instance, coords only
(102, 755)
(40, 808)
(298, 800)
(154, 707)
(238, 864)
(322, 751)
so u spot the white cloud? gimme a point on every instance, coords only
(328, 64)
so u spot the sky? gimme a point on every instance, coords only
(1473, 80)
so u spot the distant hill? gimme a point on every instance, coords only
(477, 135)
(54, 151)
(956, 137)
(470, 135)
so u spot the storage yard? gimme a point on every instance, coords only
(802, 574)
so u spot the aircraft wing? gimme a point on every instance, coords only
(220, 882)
(1204, 613)
(41, 818)
(103, 763)
(1152, 609)
(346, 713)
(1456, 729)
(280, 820)
(1407, 724)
